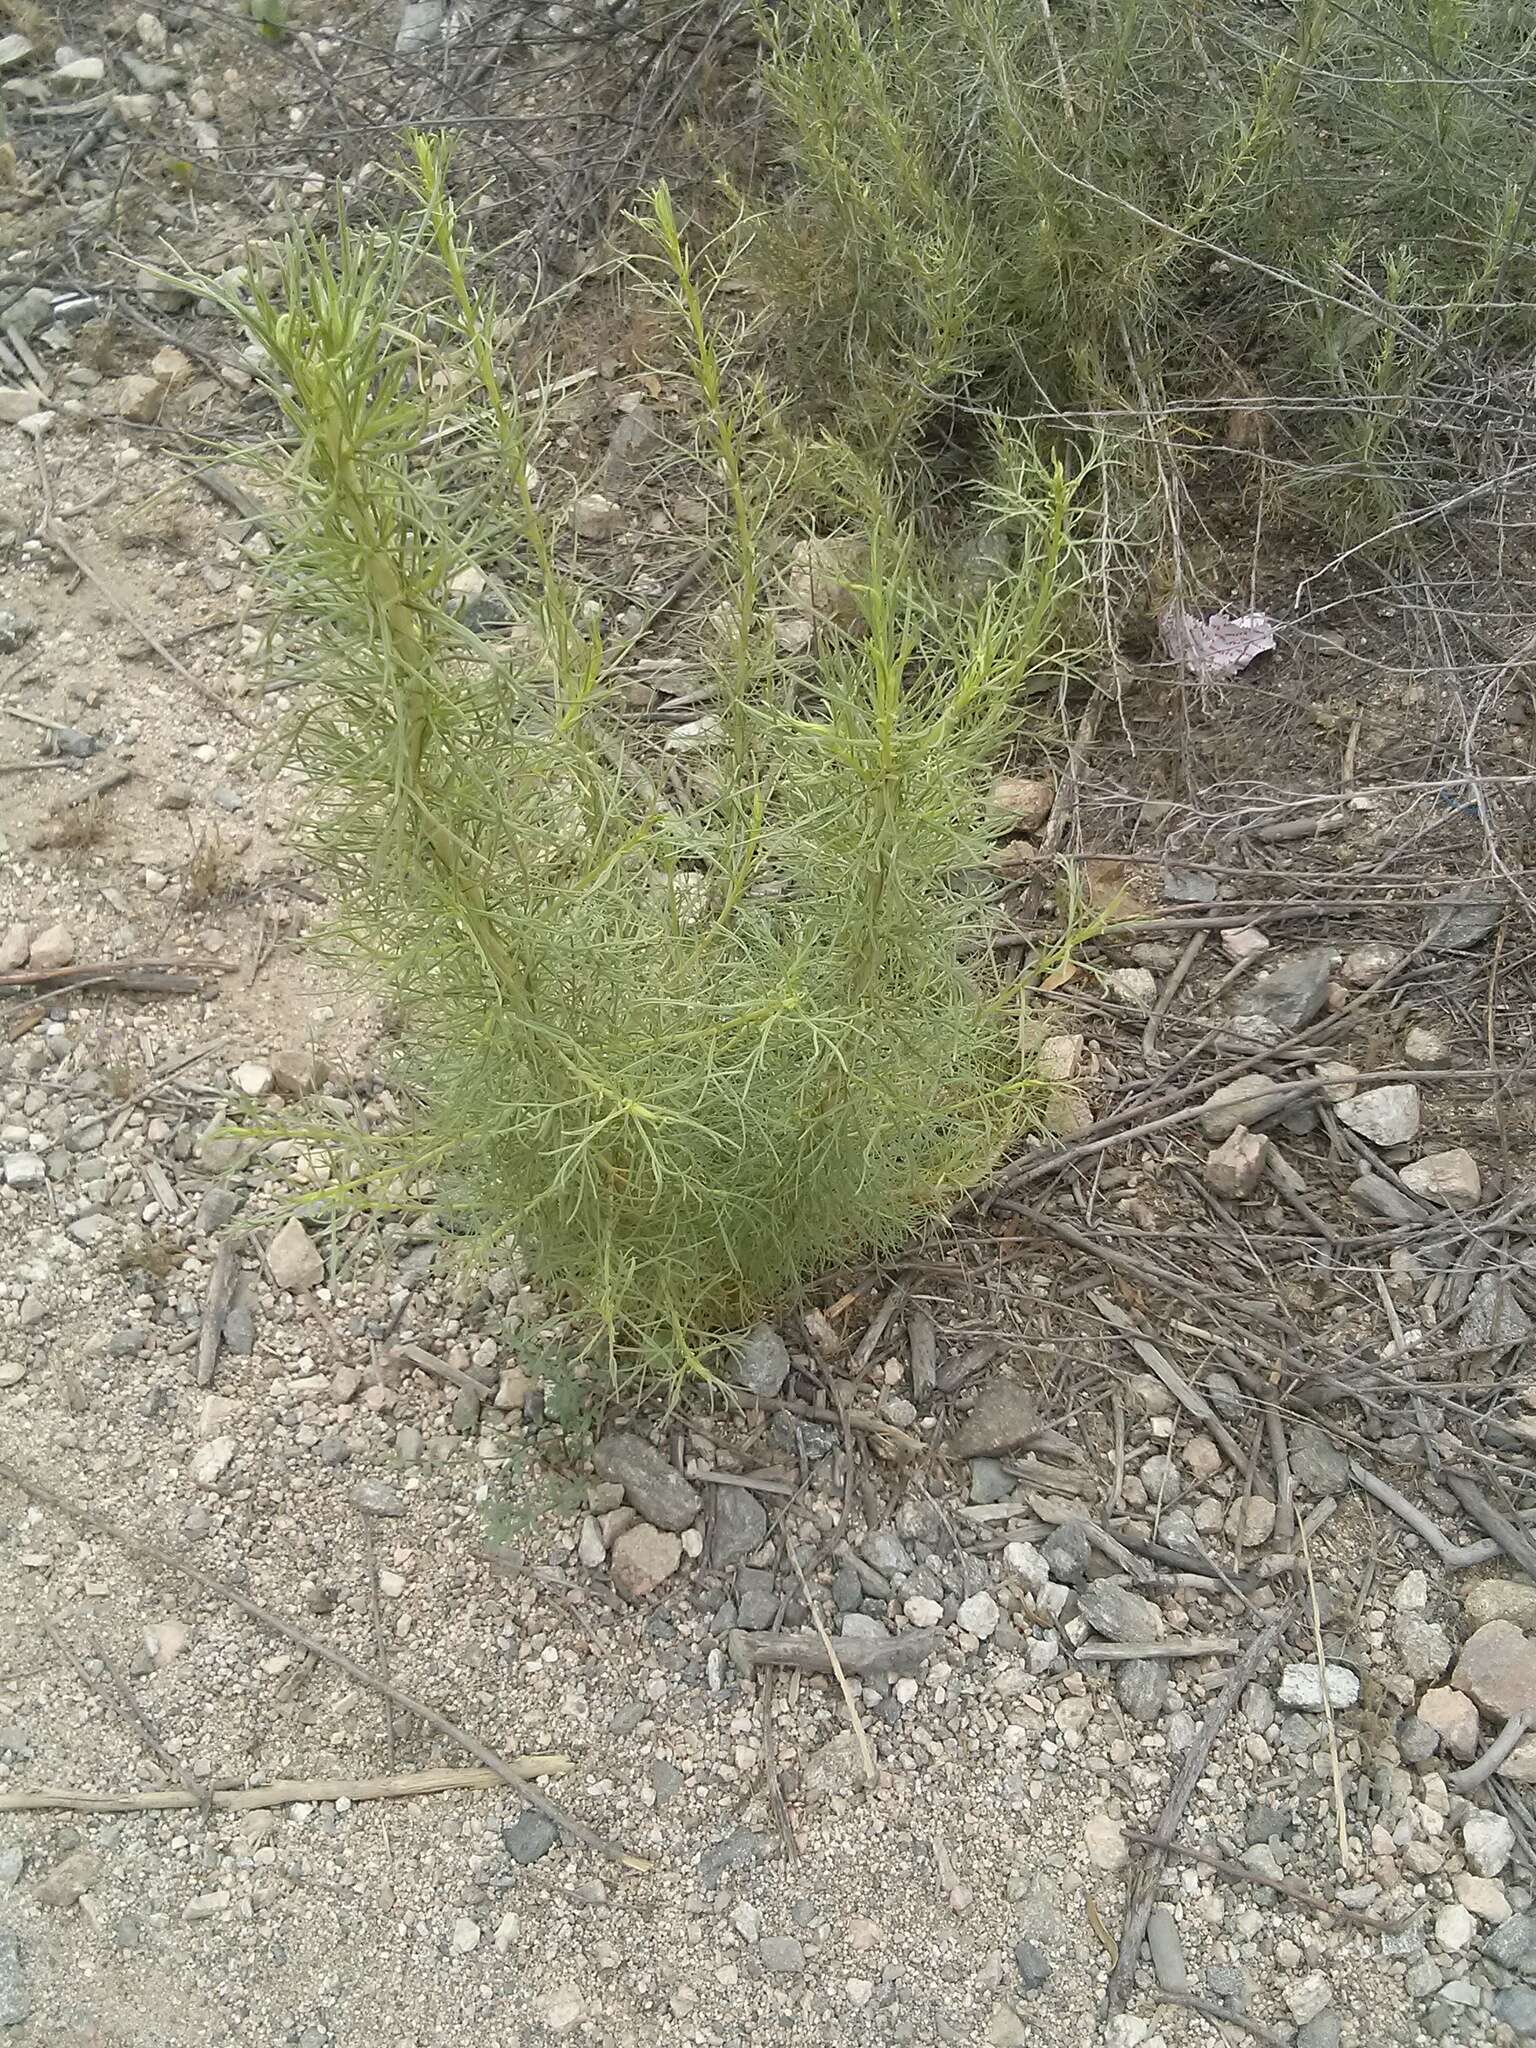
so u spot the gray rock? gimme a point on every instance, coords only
(781, 1954)
(1228, 1985)
(1291, 995)
(409, 1444)
(70, 1878)
(217, 1208)
(377, 1497)
(1513, 1946)
(421, 27)
(651, 1485)
(1416, 1740)
(1325, 2031)
(1514, 2005)
(1489, 1841)
(1236, 1166)
(529, 1835)
(1317, 1462)
(1118, 1613)
(1497, 1669)
(756, 1601)
(464, 1416)
(1300, 1686)
(1167, 1950)
(740, 1524)
(1373, 1195)
(1468, 923)
(1032, 1964)
(12, 1859)
(666, 1780)
(1424, 1647)
(836, 1769)
(884, 1549)
(15, 2006)
(1067, 1551)
(847, 1590)
(1494, 1319)
(1383, 1116)
(990, 1482)
(25, 1170)
(1141, 1687)
(1250, 1099)
(1502, 1600)
(734, 1852)
(1003, 1419)
(763, 1361)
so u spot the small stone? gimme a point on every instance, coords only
(1021, 1561)
(738, 1527)
(1119, 1614)
(1059, 1057)
(377, 1497)
(762, 1362)
(15, 2005)
(1465, 923)
(1317, 1462)
(1367, 964)
(1502, 1600)
(1291, 995)
(1383, 1116)
(655, 1488)
(1453, 1718)
(1003, 1419)
(591, 1551)
(81, 73)
(1494, 1319)
(1515, 2008)
(979, 1615)
(15, 944)
(1236, 1167)
(596, 517)
(1424, 1647)
(1449, 1177)
(139, 399)
(781, 1954)
(1141, 1687)
(1250, 1099)
(1454, 1928)
(1301, 1686)
(70, 1879)
(644, 1558)
(1244, 943)
(1032, 1964)
(529, 1835)
(1483, 1898)
(1489, 1841)
(1166, 1950)
(1005, 2029)
(210, 1461)
(563, 2010)
(836, 1769)
(1305, 1997)
(1497, 1669)
(296, 1072)
(14, 49)
(1066, 1555)
(1104, 1840)
(252, 1078)
(1136, 987)
(1251, 1522)
(25, 1170)
(1513, 1946)
(296, 1264)
(1022, 803)
(1325, 2031)
(53, 947)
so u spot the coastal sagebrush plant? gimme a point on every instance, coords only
(684, 1024)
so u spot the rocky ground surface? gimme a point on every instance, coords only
(1037, 1509)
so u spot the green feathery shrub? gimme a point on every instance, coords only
(1301, 232)
(684, 1022)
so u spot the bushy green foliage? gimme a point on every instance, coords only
(685, 1023)
(1165, 221)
